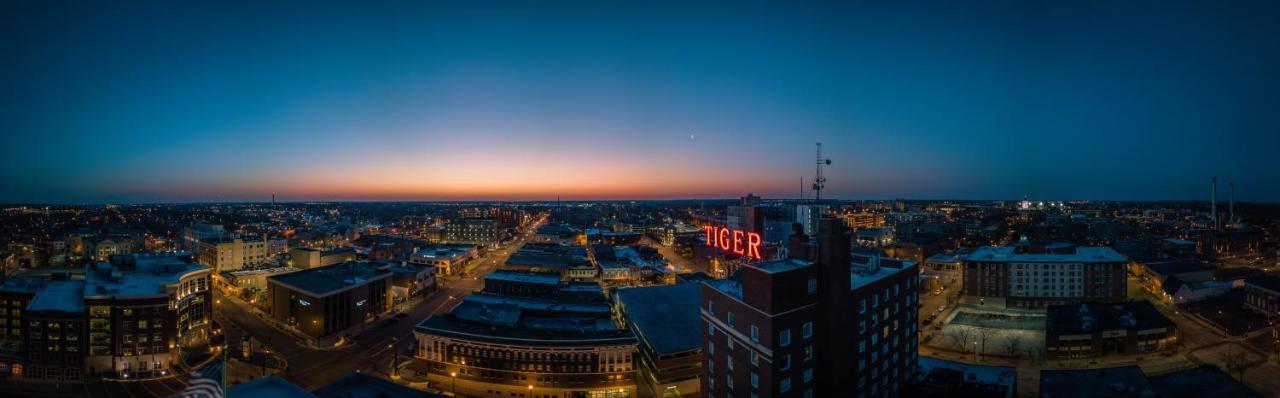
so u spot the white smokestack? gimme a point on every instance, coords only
(1231, 202)
(1213, 201)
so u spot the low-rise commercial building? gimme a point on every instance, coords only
(1094, 330)
(1262, 294)
(249, 283)
(324, 302)
(943, 378)
(310, 257)
(447, 259)
(514, 346)
(670, 357)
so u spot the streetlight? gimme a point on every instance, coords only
(454, 390)
(531, 390)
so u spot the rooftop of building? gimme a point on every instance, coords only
(65, 296)
(270, 386)
(361, 385)
(941, 371)
(777, 266)
(260, 271)
(1177, 241)
(322, 281)
(549, 255)
(523, 277)
(410, 268)
(528, 321)
(1269, 282)
(138, 275)
(1174, 267)
(1077, 254)
(1124, 381)
(731, 286)
(1202, 382)
(24, 284)
(1090, 318)
(449, 251)
(953, 257)
(864, 275)
(663, 316)
(328, 252)
(1210, 284)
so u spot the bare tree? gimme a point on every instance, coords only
(1033, 355)
(981, 337)
(959, 336)
(1235, 361)
(1012, 344)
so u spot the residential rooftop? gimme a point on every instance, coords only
(1119, 382)
(1056, 255)
(1092, 318)
(139, 275)
(65, 296)
(524, 277)
(777, 266)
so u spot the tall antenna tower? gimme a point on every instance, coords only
(819, 181)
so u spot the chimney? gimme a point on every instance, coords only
(1231, 203)
(798, 246)
(835, 307)
(1213, 201)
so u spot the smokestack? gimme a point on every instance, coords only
(1231, 203)
(1213, 201)
(836, 306)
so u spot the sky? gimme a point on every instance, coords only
(179, 102)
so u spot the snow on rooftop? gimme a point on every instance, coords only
(782, 265)
(153, 275)
(1081, 255)
(66, 296)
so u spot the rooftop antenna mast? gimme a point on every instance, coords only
(819, 181)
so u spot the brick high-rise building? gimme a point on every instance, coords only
(1031, 275)
(811, 325)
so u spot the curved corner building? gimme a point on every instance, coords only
(494, 345)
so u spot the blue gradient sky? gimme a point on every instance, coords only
(160, 102)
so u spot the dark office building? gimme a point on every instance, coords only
(322, 302)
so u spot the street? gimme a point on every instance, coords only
(373, 350)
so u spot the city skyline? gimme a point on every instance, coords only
(163, 103)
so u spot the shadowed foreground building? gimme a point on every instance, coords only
(663, 319)
(493, 345)
(811, 325)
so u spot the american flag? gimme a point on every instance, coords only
(206, 383)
